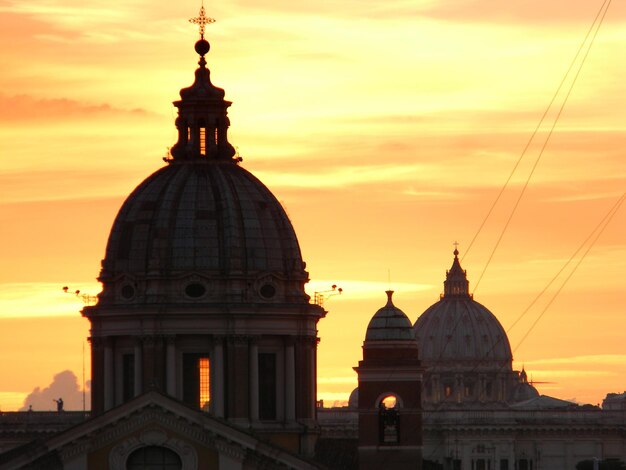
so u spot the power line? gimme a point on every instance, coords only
(547, 140)
(555, 277)
(599, 229)
(591, 32)
(599, 15)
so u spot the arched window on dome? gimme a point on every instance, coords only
(389, 420)
(154, 458)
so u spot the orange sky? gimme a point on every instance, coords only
(386, 130)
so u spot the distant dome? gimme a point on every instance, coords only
(524, 390)
(210, 219)
(353, 401)
(389, 323)
(458, 329)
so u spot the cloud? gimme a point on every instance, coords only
(64, 385)
(530, 11)
(80, 17)
(607, 359)
(556, 374)
(29, 108)
(355, 289)
(65, 185)
(336, 380)
(11, 400)
(586, 196)
(343, 176)
(477, 11)
(41, 299)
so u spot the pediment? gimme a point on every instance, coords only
(156, 419)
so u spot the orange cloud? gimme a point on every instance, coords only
(25, 108)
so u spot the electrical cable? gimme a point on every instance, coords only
(605, 222)
(591, 32)
(545, 144)
(534, 133)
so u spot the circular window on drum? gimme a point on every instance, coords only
(195, 290)
(267, 291)
(127, 291)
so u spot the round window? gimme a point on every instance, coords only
(128, 291)
(195, 290)
(268, 291)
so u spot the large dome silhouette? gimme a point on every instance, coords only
(210, 217)
(464, 349)
(213, 219)
(202, 229)
(457, 328)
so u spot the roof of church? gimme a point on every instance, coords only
(543, 402)
(389, 323)
(163, 421)
(457, 328)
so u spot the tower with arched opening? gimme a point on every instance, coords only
(389, 402)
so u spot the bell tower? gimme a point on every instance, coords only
(203, 287)
(390, 411)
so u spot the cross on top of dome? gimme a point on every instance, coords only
(202, 121)
(202, 20)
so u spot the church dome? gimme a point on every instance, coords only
(202, 228)
(353, 400)
(458, 330)
(389, 324)
(524, 390)
(211, 218)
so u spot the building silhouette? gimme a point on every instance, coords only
(480, 414)
(203, 340)
(204, 348)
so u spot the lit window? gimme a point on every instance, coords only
(203, 141)
(196, 380)
(388, 421)
(205, 389)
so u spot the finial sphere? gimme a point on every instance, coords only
(202, 47)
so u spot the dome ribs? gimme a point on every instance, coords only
(220, 238)
(209, 219)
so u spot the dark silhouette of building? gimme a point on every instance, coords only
(203, 340)
(478, 413)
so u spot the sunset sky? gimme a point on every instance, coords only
(386, 129)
